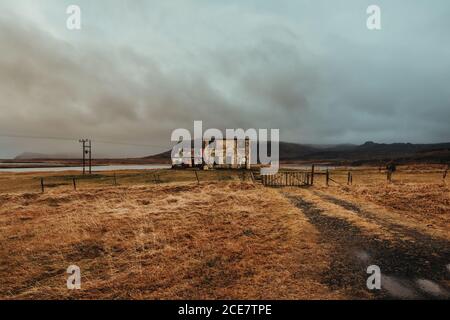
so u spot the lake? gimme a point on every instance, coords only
(308, 167)
(94, 168)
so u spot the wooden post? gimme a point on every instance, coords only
(42, 185)
(224, 146)
(115, 179)
(84, 156)
(349, 178)
(74, 184)
(328, 177)
(312, 175)
(247, 154)
(235, 154)
(196, 175)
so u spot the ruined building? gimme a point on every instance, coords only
(227, 154)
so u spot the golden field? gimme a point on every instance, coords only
(161, 235)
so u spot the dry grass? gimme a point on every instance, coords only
(428, 204)
(425, 202)
(217, 240)
(30, 182)
(222, 239)
(417, 194)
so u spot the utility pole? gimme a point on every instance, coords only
(83, 141)
(87, 150)
(90, 157)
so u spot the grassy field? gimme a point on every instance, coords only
(161, 235)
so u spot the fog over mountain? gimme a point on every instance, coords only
(139, 69)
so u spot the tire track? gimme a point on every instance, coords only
(411, 269)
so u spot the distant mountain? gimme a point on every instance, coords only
(288, 151)
(163, 157)
(294, 151)
(369, 152)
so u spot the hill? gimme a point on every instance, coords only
(369, 152)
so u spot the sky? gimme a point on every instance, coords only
(139, 69)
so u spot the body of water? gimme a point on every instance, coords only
(94, 168)
(306, 167)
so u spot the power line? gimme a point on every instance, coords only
(75, 139)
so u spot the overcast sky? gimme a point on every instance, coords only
(139, 69)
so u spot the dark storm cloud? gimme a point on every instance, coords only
(139, 69)
(51, 89)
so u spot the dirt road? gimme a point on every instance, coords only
(414, 265)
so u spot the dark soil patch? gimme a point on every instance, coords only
(428, 242)
(422, 259)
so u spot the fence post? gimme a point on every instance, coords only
(42, 185)
(74, 184)
(312, 175)
(349, 176)
(196, 175)
(328, 177)
(115, 179)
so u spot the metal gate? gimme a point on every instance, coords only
(287, 179)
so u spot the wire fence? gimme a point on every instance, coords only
(40, 182)
(44, 182)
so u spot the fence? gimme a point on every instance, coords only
(288, 179)
(44, 182)
(302, 178)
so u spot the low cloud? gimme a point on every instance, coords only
(230, 65)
